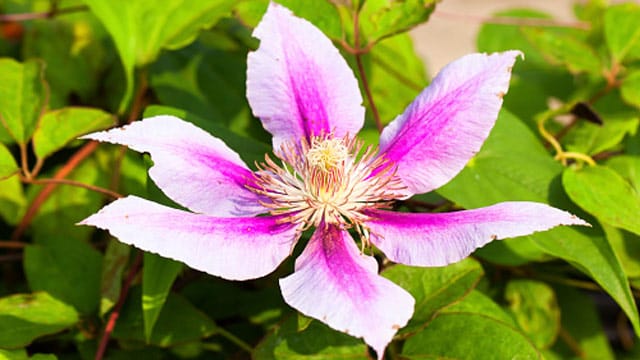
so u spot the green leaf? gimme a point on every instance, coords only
(380, 19)
(628, 166)
(325, 15)
(158, 274)
(589, 138)
(26, 317)
(179, 322)
(8, 165)
(497, 174)
(317, 341)
(396, 75)
(622, 32)
(630, 88)
(626, 245)
(568, 50)
(479, 303)
(114, 262)
(67, 268)
(23, 95)
(21, 354)
(59, 127)
(605, 194)
(469, 336)
(533, 305)
(580, 319)
(140, 29)
(13, 203)
(434, 288)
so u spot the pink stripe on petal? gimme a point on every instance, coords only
(335, 283)
(444, 238)
(192, 167)
(445, 126)
(232, 248)
(298, 84)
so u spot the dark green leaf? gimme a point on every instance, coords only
(435, 287)
(140, 29)
(477, 302)
(469, 336)
(179, 322)
(23, 95)
(59, 127)
(605, 194)
(67, 268)
(589, 138)
(8, 165)
(25, 317)
(317, 341)
(581, 321)
(533, 305)
(622, 32)
(626, 245)
(158, 274)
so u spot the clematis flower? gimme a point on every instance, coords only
(322, 177)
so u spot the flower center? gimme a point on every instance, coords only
(327, 180)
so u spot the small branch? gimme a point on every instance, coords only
(363, 75)
(44, 194)
(113, 317)
(571, 343)
(98, 189)
(138, 99)
(24, 163)
(10, 258)
(11, 244)
(42, 15)
(234, 339)
(510, 20)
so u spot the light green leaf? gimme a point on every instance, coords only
(630, 88)
(140, 29)
(380, 19)
(628, 166)
(21, 354)
(8, 165)
(622, 32)
(626, 245)
(589, 138)
(568, 50)
(158, 274)
(513, 165)
(114, 262)
(67, 268)
(317, 341)
(26, 317)
(605, 194)
(23, 98)
(534, 306)
(479, 303)
(179, 322)
(59, 127)
(434, 288)
(13, 203)
(469, 336)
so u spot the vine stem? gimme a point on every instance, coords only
(79, 184)
(42, 15)
(234, 339)
(113, 317)
(363, 76)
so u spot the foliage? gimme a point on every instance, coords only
(567, 136)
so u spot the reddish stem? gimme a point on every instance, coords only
(113, 317)
(41, 15)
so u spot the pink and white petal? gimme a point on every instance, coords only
(443, 238)
(232, 248)
(192, 167)
(298, 84)
(338, 285)
(445, 126)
